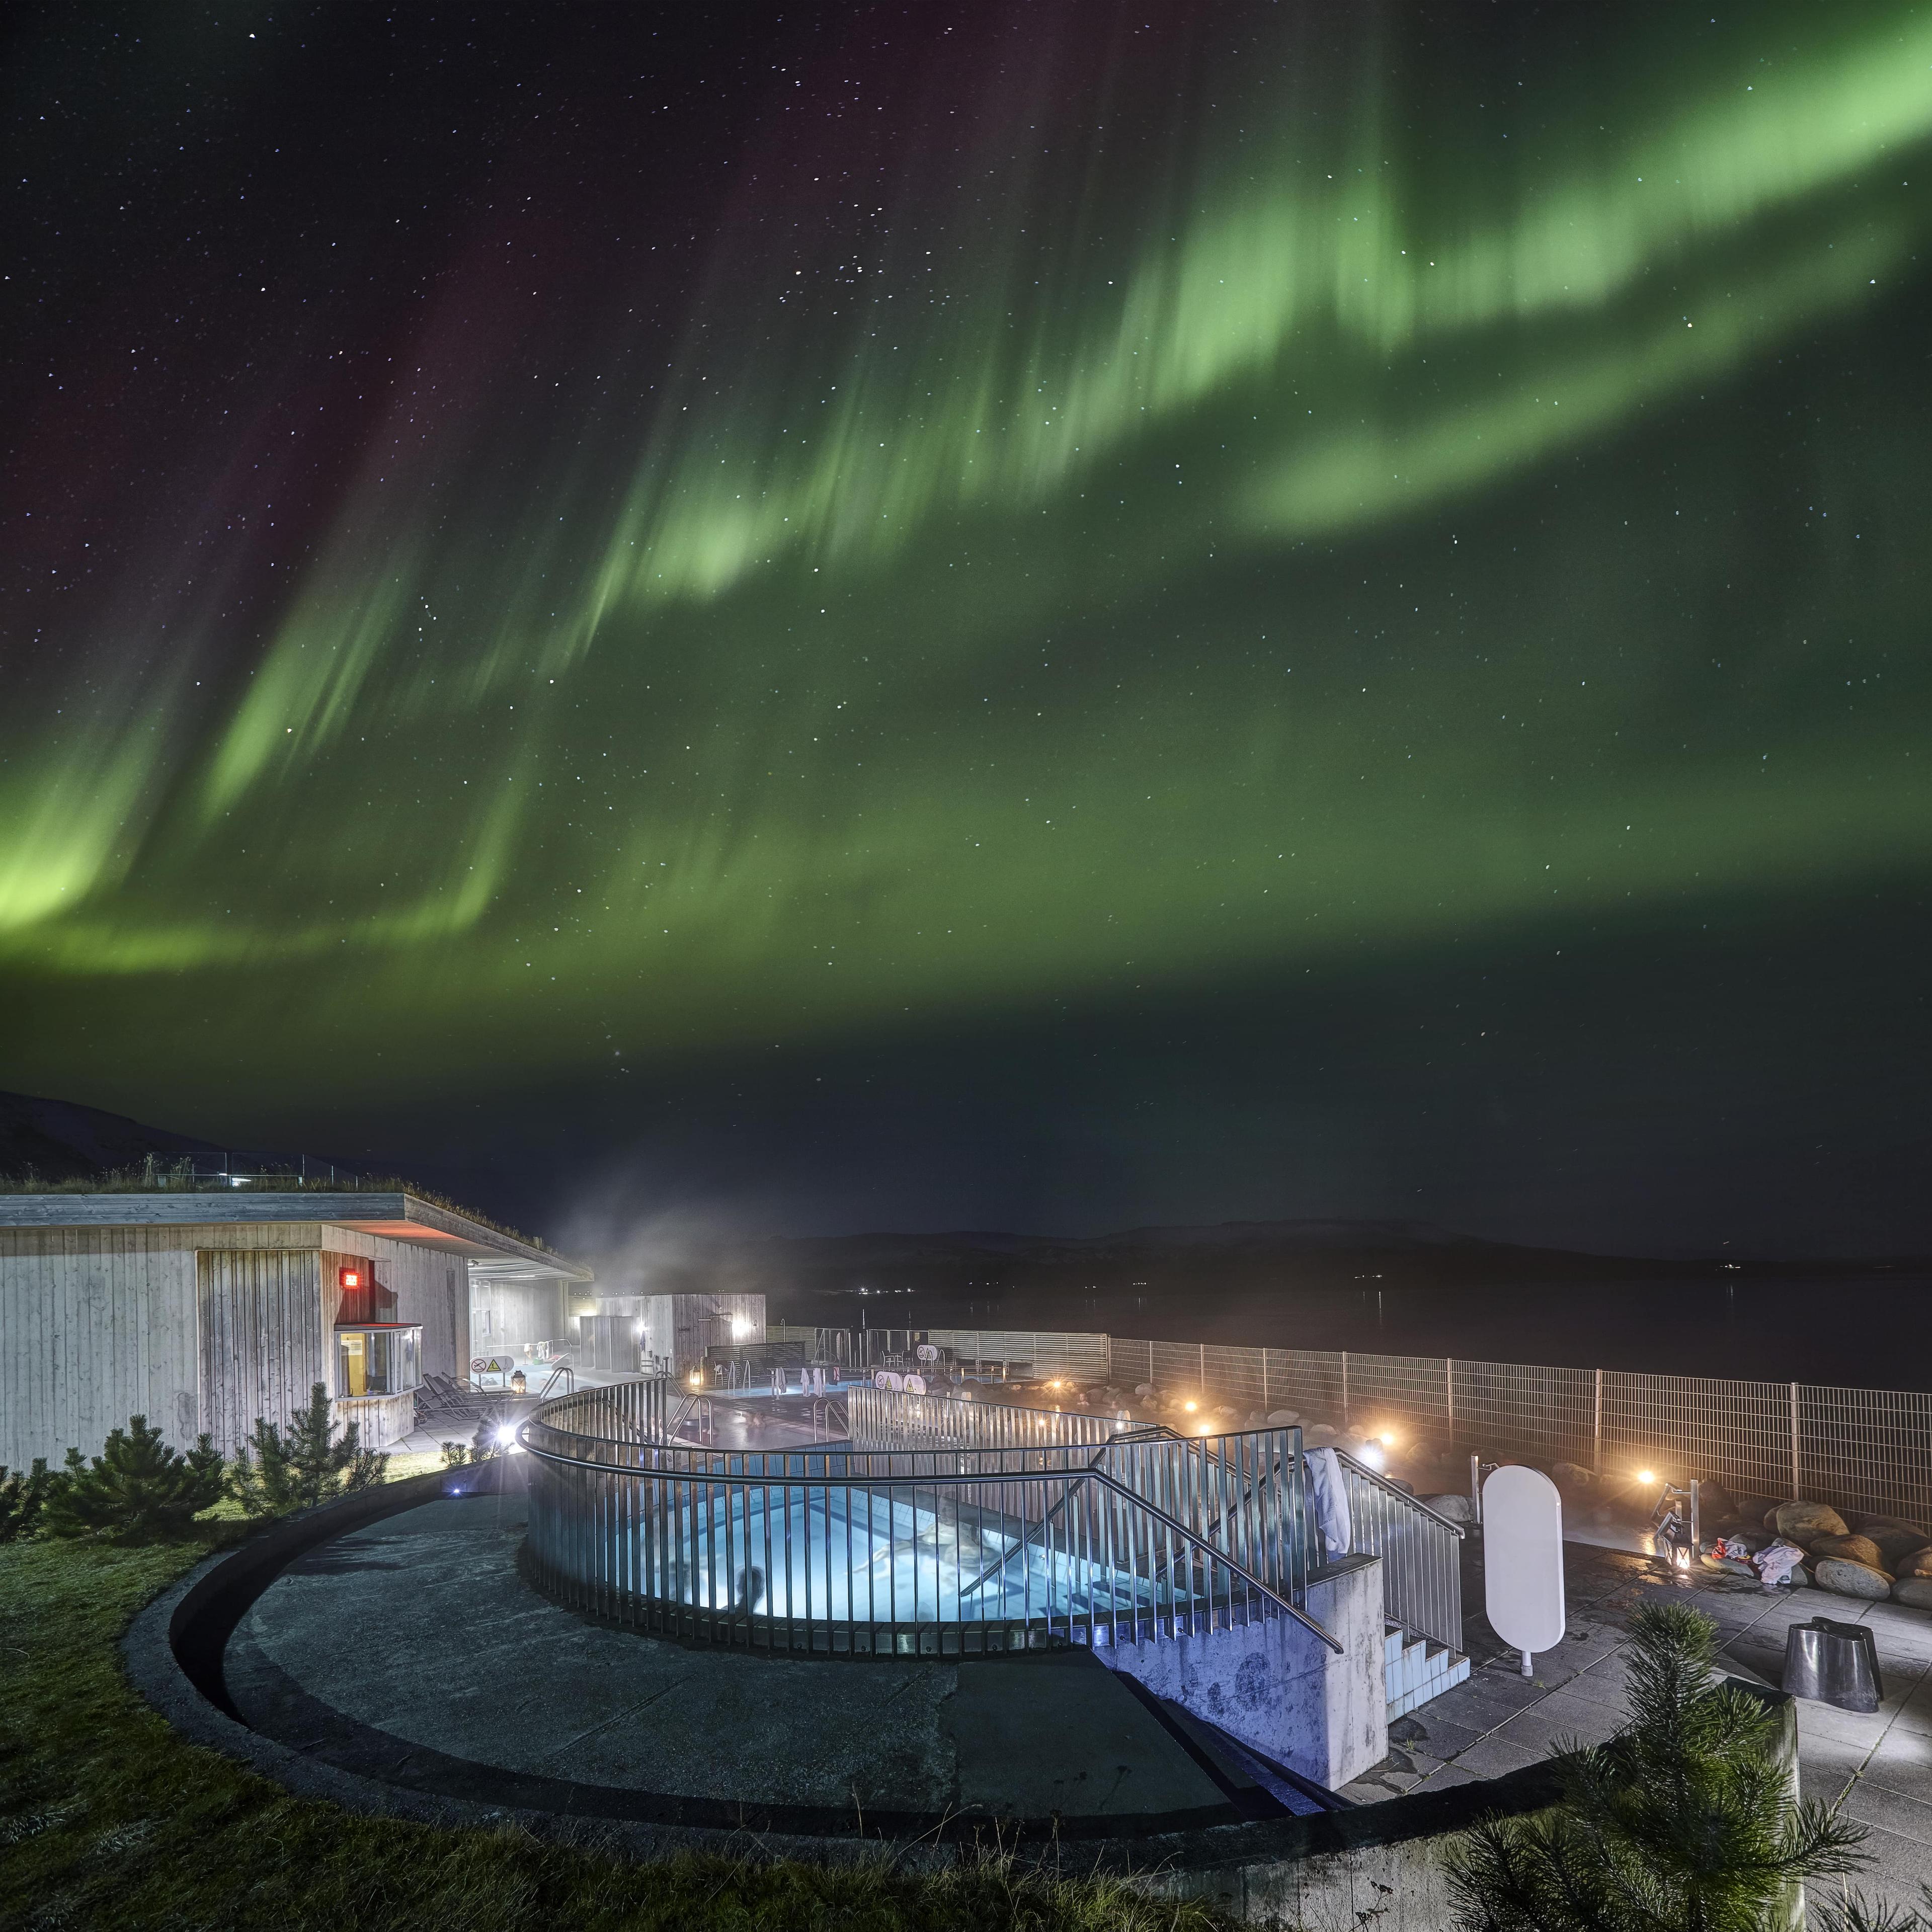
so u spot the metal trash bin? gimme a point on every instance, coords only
(1833, 1663)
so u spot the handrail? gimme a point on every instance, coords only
(1415, 1503)
(1191, 1537)
(562, 1368)
(1090, 1472)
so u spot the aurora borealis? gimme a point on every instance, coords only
(1050, 615)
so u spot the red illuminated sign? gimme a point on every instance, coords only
(351, 1277)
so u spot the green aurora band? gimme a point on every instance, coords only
(1193, 565)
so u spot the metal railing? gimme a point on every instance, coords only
(1421, 1552)
(952, 1550)
(1865, 1450)
(1421, 1549)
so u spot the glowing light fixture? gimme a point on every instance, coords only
(697, 1378)
(1190, 1406)
(1371, 1456)
(741, 1329)
(1646, 1475)
(1387, 1438)
(506, 1434)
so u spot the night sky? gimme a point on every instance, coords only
(1054, 616)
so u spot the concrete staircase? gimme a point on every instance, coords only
(1416, 1670)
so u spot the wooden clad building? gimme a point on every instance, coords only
(203, 1311)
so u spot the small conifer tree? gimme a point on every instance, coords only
(136, 1490)
(22, 1498)
(278, 1470)
(1684, 1822)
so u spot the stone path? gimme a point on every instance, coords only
(1878, 1767)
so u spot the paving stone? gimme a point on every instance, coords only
(1903, 1763)
(1492, 1758)
(1875, 1805)
(1852, 1727)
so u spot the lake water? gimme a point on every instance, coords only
(1862, 1331)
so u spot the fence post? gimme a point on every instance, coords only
(1449, 1389)
(1796, 1493)
(1266, 1405)
(1344, 1388)
(1203, 1347)
(1597, 1428)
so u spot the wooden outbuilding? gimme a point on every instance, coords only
(202, 1311)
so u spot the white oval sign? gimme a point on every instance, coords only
(1522, 1558)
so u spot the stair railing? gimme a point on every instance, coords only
(1421, 1549)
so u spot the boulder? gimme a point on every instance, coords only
(1847, 1579)
(1753, 1540)
(1143, 1390)
(1804, 1522)
(1571, 1476)
(1915, 1591)
(1283, 1418)
(1914, 1563)
(1894, 1542)
(1320, 1437)
(1716, 1505)
(1771, 1517)
(1854, 1549)
(1457, 1509)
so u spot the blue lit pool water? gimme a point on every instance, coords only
(862, 1556)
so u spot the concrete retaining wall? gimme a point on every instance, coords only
(1280, 1689)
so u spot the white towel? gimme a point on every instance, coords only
(1330, 1498)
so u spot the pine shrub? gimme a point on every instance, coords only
(1684, 1822)
(138, 1490)
(277, 1471)
(22, 1498)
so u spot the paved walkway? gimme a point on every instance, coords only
(412, 1651)
(1878, 1768)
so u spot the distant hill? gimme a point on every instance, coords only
(63, 1141)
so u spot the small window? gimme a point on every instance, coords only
(386, 1359)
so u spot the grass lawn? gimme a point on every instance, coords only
(109, 1820)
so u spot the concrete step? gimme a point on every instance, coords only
(1414, 1670)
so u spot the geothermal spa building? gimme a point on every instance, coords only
(203, 1311)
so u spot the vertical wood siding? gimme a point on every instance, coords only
(258, 1313)
(100, 1323)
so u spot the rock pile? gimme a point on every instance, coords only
(1881, 1558)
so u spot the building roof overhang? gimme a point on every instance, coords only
(397, 1216)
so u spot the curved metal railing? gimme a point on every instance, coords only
(951, 1548)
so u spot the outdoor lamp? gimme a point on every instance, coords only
(1646, 1475)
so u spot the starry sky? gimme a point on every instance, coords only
(1051, 616)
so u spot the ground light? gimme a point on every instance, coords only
(1646, 1475)
(1371, 1456)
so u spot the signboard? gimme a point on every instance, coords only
(1522, 1559)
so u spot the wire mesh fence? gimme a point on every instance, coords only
(1868, 1451)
